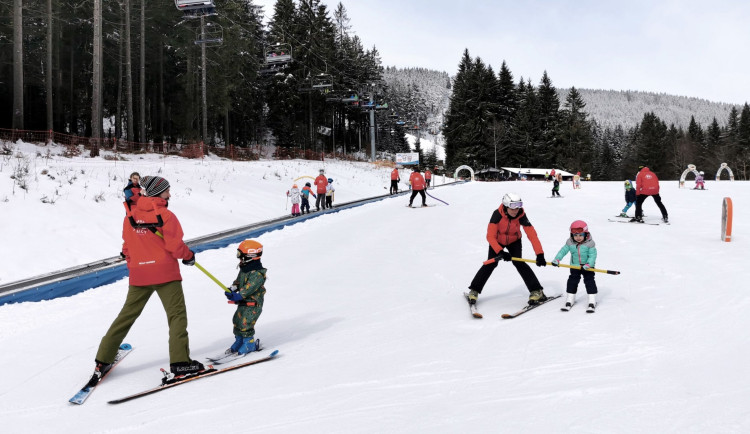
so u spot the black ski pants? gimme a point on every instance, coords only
(394, 186)
(588, 280)
(414, 194)
(639, 205)
(527, 274)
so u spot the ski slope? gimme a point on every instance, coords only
(366, 308)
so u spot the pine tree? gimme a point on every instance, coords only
(574, 144)
(546, 150)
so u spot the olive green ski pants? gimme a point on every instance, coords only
(173, 300)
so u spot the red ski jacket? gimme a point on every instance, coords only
(394, 175)
(646, 183)
(152, 259)
(416, 180)
(427, 174)
(321, 181)
(503, 230)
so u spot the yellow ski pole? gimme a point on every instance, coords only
(596, 270)
(211, 276)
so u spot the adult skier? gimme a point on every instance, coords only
(647, 185)
(504, 232)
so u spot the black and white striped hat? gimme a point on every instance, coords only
(154, 185)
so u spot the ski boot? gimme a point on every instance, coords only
(537, 296)
(248, 345)
(636, 220)
(100, 370)
(186, 368)
(569, 302)
(622, 214)
(472, 297)
(592, 304)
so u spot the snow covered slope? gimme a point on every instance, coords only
(365, 307)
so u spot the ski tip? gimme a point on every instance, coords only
(274, 353)
(126, 347)
(506, 316)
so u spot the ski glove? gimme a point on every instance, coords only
(555, 263)
(540, 262)
(190, 261)
(233, 296)
(585, 266)
(506, 256)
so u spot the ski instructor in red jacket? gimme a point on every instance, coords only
(321, 182)
(152, 245)
(504, 232)
(647, 184)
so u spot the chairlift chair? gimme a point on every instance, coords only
(278, 53)
(196, 8)
(213, 34)
(322, 81)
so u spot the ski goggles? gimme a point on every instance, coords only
(577, 231)
(515, 205)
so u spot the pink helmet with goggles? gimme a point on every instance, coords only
(579, 227)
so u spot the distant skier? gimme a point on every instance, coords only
(556, 185)
(329, 194)
(504, 232)
(629, 197)
(295, 197)
(247, 292)
(647, 184)
(582, 249)
(417, 186)
(699, 182)
(577, 181)
(320, 183)
(132, 191)
(395, 179)
(305, 196)
(427, 177)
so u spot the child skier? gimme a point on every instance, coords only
(577, 181)
(582, 250)
(699, 182)
(247, 292)
(294, 194)
(629, 197)
(306, 192)
(556, 186)
(329, 194)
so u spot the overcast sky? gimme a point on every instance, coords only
(692, 48)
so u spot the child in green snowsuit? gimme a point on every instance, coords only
(582, 249)
(247, 293)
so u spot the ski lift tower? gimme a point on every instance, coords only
(213, 36)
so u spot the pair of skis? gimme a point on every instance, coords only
(475, 313)
(591, 308)
(168, 381)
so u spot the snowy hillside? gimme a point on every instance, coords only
(611, 107)
(366, 309)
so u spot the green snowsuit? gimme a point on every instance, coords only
(250, 283)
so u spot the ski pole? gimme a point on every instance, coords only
(597, 270)
(440, 200)
(210, 276)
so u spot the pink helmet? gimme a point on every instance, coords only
(579, 226)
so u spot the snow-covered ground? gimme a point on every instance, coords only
(366, 309)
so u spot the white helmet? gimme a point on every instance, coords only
(701, 172)
(512, 200)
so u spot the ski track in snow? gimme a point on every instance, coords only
(364, 307)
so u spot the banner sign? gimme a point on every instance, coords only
(407, 158)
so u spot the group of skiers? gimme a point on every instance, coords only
(323, 198)
(504, 237)
(152, 245)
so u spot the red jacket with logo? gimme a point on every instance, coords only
(394, 175)
(151, 259)
(416, 180)
(503, 230)
(646, 182)
(321, 181)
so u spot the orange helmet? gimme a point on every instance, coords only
(249, 250)
(294, 186)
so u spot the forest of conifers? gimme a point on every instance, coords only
(522, 124)
(151, 73)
